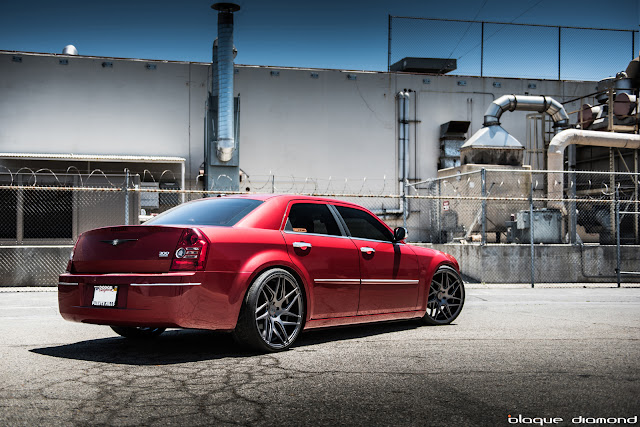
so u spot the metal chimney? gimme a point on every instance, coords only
(225, 133)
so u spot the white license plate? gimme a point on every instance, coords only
(104, 296)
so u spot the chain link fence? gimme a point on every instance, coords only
(503, 49)
(504, 226)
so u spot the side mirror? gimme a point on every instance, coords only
(400, 233)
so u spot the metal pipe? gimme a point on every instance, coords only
(541, 104)
(225, 136)
(555, 154)
(403, 98)
(617, 225)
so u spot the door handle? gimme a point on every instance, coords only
(367, 250)
(301, 245)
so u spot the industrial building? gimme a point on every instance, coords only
(232, 127)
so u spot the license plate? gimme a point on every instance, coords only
(104, 296)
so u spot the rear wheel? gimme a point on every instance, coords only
(137, 332)
(446, 297)
(272, 313)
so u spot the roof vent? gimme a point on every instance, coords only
(425, 65)
(69, 50)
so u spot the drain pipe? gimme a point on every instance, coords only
(540, 104)
(403, 98)
(570, 137)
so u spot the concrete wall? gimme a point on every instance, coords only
(553, 263)
(32, 265)
(292, 124)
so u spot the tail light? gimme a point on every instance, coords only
(70, 262)
(191, 252)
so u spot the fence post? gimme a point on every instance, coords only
(573, 178)
(405, 203)
(126, 197)
(483, 178)
(617, 225)
(531, 236)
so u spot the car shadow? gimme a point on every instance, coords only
(191, 345)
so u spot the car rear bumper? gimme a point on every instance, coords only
(203, 300)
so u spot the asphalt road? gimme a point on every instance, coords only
(554, 353)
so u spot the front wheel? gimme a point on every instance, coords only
(137, 332)
(446, 297)
(272, 313)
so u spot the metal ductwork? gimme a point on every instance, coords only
(541, 104)
(225, 142)
(494, 145)
(555, 154)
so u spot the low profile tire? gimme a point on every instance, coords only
(272, 313)
(137, 332)
(446, 297)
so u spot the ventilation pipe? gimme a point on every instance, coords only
(403, 98)
(541, 104)
(570, 137)
(225, 134)
(403, 138)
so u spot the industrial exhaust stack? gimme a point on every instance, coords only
(221, 145)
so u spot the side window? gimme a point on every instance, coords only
(364, 226)
(312, 218)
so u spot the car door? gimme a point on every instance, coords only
(318, 245)
(388, 270)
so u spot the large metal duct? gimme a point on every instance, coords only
(225, 133)
(541, 104)
(555, 154)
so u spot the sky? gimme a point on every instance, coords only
(342, 34)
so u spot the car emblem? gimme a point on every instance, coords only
(163, 254)
(116, 242)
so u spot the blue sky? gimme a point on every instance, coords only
(343, 34)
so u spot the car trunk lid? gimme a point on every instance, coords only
(126, 249)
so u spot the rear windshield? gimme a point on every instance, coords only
(214, 211)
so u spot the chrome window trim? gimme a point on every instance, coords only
(68, 283)
(314, 234)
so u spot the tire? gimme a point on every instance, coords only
(137, 332)
(446, 297)
(272, 313)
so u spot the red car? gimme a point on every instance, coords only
(261, 266)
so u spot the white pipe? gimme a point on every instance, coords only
(555, 154)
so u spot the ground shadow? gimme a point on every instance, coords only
(182, 346)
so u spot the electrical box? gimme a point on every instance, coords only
(547, 227)
(149, 199)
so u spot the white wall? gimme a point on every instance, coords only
(85, 108)
(291, 124)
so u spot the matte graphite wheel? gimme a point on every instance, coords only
(137, 332)
(272, 313)
(446, 297)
